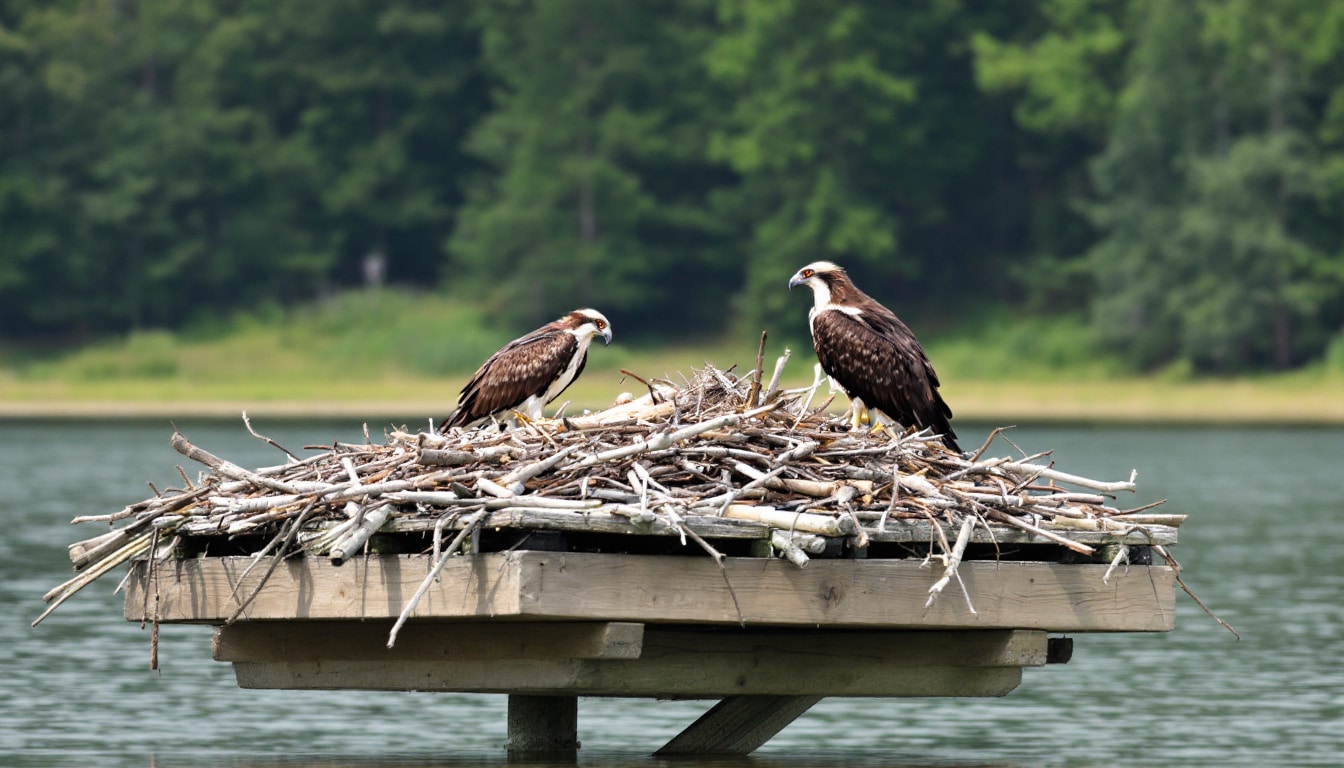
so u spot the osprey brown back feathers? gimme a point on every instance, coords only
(871, 354)
(530, 371)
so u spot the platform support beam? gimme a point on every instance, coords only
(543, 726)
(737, 725)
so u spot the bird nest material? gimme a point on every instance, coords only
(714, 460)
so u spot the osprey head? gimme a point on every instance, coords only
(814, 274)
(587, 323)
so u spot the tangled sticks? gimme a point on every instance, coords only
(714, 458)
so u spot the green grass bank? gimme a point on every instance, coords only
(394, 356)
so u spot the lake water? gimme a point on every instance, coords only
(1264, 548)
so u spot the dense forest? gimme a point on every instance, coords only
(1170, 172)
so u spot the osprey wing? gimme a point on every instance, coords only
(877, 359)
(523, 368)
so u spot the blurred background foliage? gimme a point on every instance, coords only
(1110, 185)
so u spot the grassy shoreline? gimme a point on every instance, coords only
(1278, 400)
(388, 356)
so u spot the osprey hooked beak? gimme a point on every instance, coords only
(802, 276)
(590, 323)
(805, 275)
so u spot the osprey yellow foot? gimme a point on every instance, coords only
(858, 417)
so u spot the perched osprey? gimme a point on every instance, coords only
(531, 371)
(871, 354)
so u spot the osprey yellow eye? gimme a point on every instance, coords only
(808, 273)
(601, 324)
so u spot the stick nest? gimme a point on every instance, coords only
(711, 453)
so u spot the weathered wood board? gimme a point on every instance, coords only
(737, 725)
(558, 586)
(264, 641)
(672, 662)
(596, 521)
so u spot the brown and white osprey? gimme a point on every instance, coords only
(531, 371)
(871, 354)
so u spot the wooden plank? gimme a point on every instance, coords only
(738, 725)
(543, 726)
(607, 678)
(707, 664)
(921, 532)
(210, 589)
(262, 641)
(847, 593)
(426, 641)
(659, 589)
(899, 530)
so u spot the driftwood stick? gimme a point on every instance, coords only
(275, 542)
(657, 442)
(634, 513)
(1176, 569)
(718, 556)
(772, 389)
(811, 392)
(352, 472)
(516, 480)
(1121, 554)
(1064, 477)
(937, 532)
(861, 540)
(432, 498)
(468, 526)
(1132, 513)
(1017, 522)
(783, 543)
(374, 519)
(736, 493)
(825, 525)
(441, 457)
(984, 447)
(248, 423)
(993, 466)
(70, 588)
(486, 485)
(653, 394)
(158, 505)
(95, 549)
(1171, 521)
(275, 563)
(226, 468)
(754, 393)
(952, 560)
(541, 502)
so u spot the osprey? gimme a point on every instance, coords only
(531, 371)
(871, 354)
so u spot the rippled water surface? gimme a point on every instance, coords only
(1264, 548)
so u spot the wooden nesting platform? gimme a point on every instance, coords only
(766, 637)
(721, 539)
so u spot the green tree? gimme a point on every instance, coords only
(596, 186)
(1207, 180)
(27, 190)
(368, 103)
(1210, 192)
(1063, 68)
(861, 137)
(183, 157)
